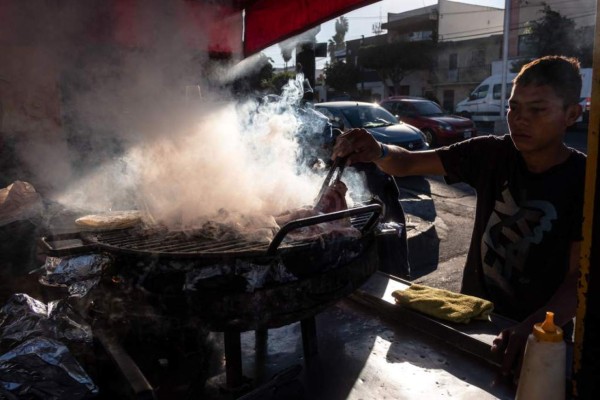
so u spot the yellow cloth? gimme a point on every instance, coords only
(443, 304)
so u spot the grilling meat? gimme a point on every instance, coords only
(232, 226)
(334, 198)
(235, 226)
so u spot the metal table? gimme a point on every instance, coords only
(369, 349)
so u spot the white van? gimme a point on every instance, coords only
(483, 104)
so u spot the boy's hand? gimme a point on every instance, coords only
(358, 145)
(511, 342)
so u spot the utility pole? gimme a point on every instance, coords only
(504, 59)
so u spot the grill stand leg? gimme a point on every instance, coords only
(308, 328)
(233, 359)
(233, 350)
(261, 337)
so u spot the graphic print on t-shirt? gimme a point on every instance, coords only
(508, 236)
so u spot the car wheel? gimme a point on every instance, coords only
(465, 114)
(429, 137)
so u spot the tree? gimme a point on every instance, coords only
(287, 46)
(278, 80)
(396, 60)
(554, 34)
(341, 76)
(255, 79)
(338, 41)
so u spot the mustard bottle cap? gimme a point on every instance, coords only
(546, 331)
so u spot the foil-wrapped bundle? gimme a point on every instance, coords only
(78, 273)
(24, 317)
(43, 368)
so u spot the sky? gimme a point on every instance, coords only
(361, 22)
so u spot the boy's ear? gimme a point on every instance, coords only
(573, 113)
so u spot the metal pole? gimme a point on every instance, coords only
(504, 59)
(586, 366)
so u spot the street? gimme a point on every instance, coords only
(439, 224)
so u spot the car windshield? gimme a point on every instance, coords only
(427, 108)
(368, 117)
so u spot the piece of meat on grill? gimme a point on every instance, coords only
(333, 199)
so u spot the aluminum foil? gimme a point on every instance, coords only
(79, 274)
(43, 368)
(387, 227)
(24, 317)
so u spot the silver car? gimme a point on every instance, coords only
(376, 120)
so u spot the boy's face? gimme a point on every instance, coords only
(538, 119)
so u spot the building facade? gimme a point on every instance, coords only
(469, 44)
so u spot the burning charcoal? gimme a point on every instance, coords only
(43, 368)
(79, 273)
(23, 317)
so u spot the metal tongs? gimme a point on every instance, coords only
(338, 165)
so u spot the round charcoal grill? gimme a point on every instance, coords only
(311, 261)
(327, 270)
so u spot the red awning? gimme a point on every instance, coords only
(215, 25)
(270, 21)
(219, 24)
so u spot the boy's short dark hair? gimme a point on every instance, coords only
(559, 72)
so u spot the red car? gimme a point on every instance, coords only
(439, 127)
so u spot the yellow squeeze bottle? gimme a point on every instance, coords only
(543, 370)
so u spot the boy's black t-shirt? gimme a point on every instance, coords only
(524, 222)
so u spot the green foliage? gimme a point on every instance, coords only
(341, 76)
(396, 60)
(554, 34)
(256, 80)
(277, 81)
(516, 66)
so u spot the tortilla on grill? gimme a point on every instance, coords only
(112, 220)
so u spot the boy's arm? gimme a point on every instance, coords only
(359, 146)
(563, 304)
(401, 162)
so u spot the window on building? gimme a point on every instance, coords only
(478, 57)
(453, 61)
(448, 101)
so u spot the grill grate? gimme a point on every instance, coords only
(174, 243)
(177, 244)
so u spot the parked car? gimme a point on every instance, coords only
(439, 127)
(377, 120)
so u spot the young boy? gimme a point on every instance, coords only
(524, 248)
